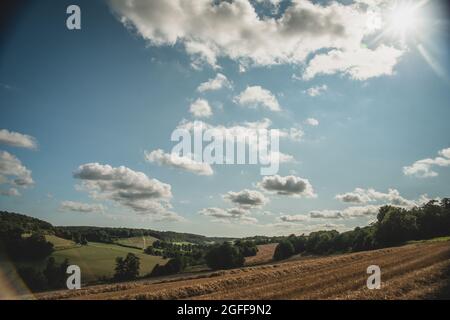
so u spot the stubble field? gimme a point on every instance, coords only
(414, 271)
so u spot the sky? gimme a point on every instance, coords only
(360, 91)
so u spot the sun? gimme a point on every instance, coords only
(404, 19)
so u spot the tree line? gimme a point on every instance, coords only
(394, 226)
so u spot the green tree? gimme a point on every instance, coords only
(224, 256)
(128, 268)
(284, 250)
(56, 274)
(396, 226)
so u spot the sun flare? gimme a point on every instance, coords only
(404, 19)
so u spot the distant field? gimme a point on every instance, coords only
(60, 243)
(415, 271)
(97, 260)
(264, 255)
(439, 239)
(138, 242)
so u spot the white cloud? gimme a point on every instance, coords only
(350, 212)
(233, 29)
(247, 198)
(242, 130)
(244, 133)
(288, 185)
(11, 192)
(293, 218)
(81, 207)
(16, 139)
(219, 82)
(131, 189)
(423, 168)
(238, 215)
(256, 96)
(180, 162)
(200, 108)
(360, 195)
(299, 227)
(312, 122)
(10, 166)
(358, 64)
(316, 91)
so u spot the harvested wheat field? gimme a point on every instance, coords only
(415, 271)
(264, 255)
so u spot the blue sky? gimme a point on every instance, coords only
(109, 92)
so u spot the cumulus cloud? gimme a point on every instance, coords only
(247, 198)
(316, 91)
(288, 185)
(81, 207)
(312, 122)
(217, 83)
(180, 162)
(16, 139)
(293, 218)
(350, 212)
(245, 201)
(360, 195)
(256, 96)
(11, 192)
(246, 134)
(424, 168)
(299, 227)
(200, 108)
(131, 189)
(12, 167)
(358, 64)
(228, 215)
(212, 29)
(242, 131)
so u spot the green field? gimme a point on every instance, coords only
(439, 239)
(96, 260)
(138, 242)
(59, 243)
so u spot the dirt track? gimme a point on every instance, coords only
(410, 272)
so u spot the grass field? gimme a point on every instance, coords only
(60, 243)
(96, 260)
(414, 271)
(138, 242)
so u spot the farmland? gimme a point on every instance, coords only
(97, 260)
(264, 255)
(413, 271)
(137, 242)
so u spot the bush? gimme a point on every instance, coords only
(128, 268)
(247, 248)
(173, 266)
(224, 256)
(34, 279)
(56, 274)
(52, 277)
(34, 247)
(284, 250)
